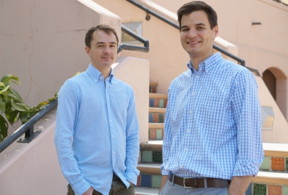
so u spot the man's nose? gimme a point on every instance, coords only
(192, 33)
(107, 49)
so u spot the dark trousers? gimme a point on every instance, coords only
(117, 188)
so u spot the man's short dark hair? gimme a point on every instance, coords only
(107, 29)
(192, 6)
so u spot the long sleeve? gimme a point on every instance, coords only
(167, 136)
(65, 122)
(246, 111)
(132, 143)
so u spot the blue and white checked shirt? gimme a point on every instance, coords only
(213, 122)
(96, 131)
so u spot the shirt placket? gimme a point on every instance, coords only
(110, 120)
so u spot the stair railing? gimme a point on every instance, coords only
(144, 48)
(27, 128)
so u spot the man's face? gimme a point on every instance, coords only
(103, 50)
(196, 36)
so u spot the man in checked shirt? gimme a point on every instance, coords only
(212, 141)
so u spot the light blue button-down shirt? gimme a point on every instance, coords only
(96, 131)
(213, 122)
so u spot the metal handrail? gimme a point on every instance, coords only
(148, 11)
(239, 60)
(126, 46)
(27, 128)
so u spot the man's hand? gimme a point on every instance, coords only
(239, 185)
(89, 191)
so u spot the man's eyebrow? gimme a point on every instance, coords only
(101, 43)
(200, 24)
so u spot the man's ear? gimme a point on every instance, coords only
(215, 31)
(87, 49)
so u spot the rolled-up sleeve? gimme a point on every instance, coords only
(246, 109)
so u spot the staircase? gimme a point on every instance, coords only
(151, 152)
(272, 178)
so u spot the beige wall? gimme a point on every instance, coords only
(135, 72)
(280, 125)
(33, 168)
(42, 42)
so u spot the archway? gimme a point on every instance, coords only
(277, 82)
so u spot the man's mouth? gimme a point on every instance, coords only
(192, 43)
(105, 58)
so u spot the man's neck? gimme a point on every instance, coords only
(196, 60)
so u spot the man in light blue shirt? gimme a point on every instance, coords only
(96, 134)
(212, 141)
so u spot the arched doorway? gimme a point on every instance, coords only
(276, 82)
(270, 81)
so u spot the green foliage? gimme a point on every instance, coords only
(12, 107)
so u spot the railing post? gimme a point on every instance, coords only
(29, 134)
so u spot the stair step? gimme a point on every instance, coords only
(151, 168)
(276, 150)
(157, 110)
(156, 131)
(152, 145)
(271, 178)
(158, 95)
(153, 87)
(156, 115)
(156, 125)
(157, 100)
(151, 152)
(146, 191)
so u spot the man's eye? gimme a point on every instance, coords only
(184, 29)
(200, 28)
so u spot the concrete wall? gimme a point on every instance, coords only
(135, 72)
(32, 168)
(42, 42)
(279, 132)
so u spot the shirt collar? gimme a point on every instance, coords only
(96, 74)
(207, 64)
